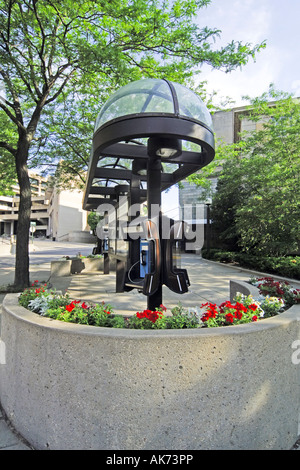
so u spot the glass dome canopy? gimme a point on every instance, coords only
(154, 96)
(142, 122)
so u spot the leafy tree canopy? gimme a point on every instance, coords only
(51, 49)
(257, 204)
(60, 51)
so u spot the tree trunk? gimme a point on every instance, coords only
(22, 252)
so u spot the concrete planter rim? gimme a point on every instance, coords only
(11, 305)
(64, 385)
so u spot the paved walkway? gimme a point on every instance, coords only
(209, 282)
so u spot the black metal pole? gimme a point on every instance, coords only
(134, 199)
(208, 229)
(154, 209)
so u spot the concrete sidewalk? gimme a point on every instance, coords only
(209, 282)
(9, 438)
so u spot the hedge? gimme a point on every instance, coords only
(287, 266)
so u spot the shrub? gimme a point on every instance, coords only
(285, 266)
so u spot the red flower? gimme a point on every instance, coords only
(254, 318)
(229, 318)
(211, 312)
(226, 304)
(252, 307)
(70, 307)
(149, 315)
(238, 314)
(240, 306)
(205, 317)
(84, 305)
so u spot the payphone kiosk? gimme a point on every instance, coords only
(149, 135)
(159, 258)
(102, 244)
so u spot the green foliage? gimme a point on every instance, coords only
(285, 266)
(39, 298)
(8, 140)
(80, 312)
(257, 204)
(182, 318)
(93, 219)
(272, 306)
(60, 60)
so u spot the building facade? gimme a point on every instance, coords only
(227, 126)
(67, 219)
(57, 215)
(9, 208)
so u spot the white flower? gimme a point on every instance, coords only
(196, 312)
(40, 304)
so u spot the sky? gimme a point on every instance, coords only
(253, 21)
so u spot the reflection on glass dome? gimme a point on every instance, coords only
(154, 96)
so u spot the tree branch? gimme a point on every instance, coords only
(8, 147)
(58, 92)
(18, 118)
(13, 118)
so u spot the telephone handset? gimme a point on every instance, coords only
(152, 279)
(143, 257)
(176, 279)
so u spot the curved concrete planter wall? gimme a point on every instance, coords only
(244, 288)
(67, 386)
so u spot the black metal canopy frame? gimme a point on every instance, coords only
(149, 135)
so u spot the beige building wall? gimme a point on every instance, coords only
(223, 125)
(66, 215)
(228, 124)
(9, 207)
(56, 214)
